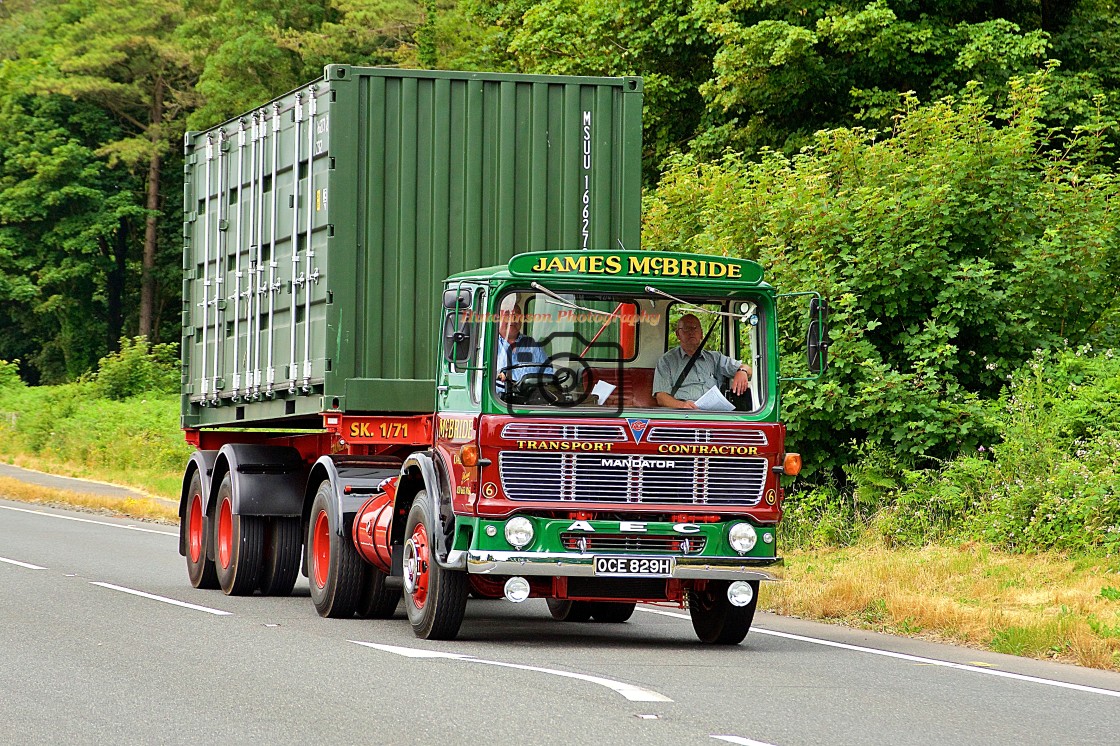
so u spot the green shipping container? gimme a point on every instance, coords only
(389, 181)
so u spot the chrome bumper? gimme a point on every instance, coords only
(582, 566)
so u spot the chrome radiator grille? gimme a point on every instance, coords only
(598, 477)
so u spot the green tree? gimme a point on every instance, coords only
(124, 57)
(252, 50)
(661, 40)
(67, 229)
(783, 70)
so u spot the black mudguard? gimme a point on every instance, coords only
(267, 480)
(424, 470)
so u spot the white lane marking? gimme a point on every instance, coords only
(741, 740)
(171, 601)
(918, 659)
(87, 520)
(21, 564)
(629, 691)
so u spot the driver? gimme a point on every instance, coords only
(516, 351)
(711, 369)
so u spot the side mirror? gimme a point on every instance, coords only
(816, 341)
(459, 298)
(458, 338)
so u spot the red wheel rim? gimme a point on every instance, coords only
(321, 549)
(416, 565)
(225, 534)
(194, 528)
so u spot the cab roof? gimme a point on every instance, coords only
(611, 267)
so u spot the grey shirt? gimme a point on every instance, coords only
(711, 369)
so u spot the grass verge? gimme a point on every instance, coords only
(151, 481)
(144, 509)
(1042, 606)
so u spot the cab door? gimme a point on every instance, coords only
(459, 388)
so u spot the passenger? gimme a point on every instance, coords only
(516, 351)
(711, 369)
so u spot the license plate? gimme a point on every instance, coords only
(646, 567)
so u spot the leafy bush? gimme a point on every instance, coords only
(949, 248)
(1059, 462)
(138, 368)
(1052, 480)
(9, 374)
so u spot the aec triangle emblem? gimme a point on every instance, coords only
(638, 428)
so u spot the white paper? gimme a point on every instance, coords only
(602, 390)
(714, 401)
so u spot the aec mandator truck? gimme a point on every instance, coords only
(419, 345)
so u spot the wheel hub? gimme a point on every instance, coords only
(225, 534)
(416, 566)
(321, 549)
(194, 528)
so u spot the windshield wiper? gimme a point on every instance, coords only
(697, 309)
(561, 301)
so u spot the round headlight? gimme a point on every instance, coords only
(519, 531)
(517, 589)
(742, 537)
(740, 593)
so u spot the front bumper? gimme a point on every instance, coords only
(555, 564)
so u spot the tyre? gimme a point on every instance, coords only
(335, 571)
(435, 598)
(200, 568)
(280, 564)
(569, 611)
(376, 601)
(715, 620)
(612, 612)
(238, 545)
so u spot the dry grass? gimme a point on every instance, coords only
(1041, 606)
(155, 481)
(144, 509)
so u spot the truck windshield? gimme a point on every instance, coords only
(617, 352)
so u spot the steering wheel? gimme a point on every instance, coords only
(563, 386)
(569, 380)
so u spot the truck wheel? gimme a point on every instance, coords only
(435, 598)
(238, 545)
(376, 601)
(612, 612)
(334, 568)
(280, 565)
(715, 620)
(569, 611)
(200, 568)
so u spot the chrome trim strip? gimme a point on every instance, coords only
(546, 431)
(722, 435)
(555, 564)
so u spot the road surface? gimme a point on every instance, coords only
(104, 641)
